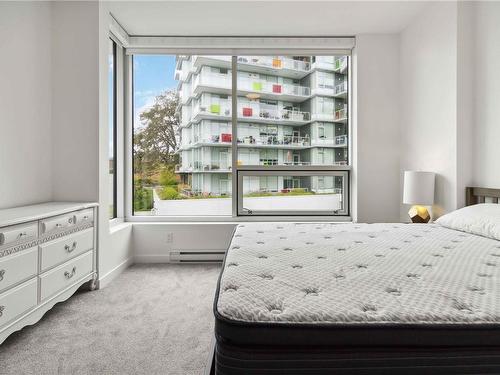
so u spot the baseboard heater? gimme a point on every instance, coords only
(197, 256)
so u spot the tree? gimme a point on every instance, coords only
(155, 143)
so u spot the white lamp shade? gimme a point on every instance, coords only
(419, 188)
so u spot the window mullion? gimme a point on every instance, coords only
(234, 137)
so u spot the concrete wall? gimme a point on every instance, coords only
(25, 104)
(428, 101)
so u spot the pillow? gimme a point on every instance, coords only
(481, 219)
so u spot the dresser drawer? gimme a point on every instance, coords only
(84, 216)
(63, 249)
(56, 280)
(17, 233)
(18, 267)
(17, 301)
(57, 223)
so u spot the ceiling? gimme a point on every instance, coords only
(264, 18)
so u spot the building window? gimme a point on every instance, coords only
(285, 145)
(112, 125)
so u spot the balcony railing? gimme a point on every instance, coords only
(340, 163)
(341, 140)
(224, 81)
(248, 84)
(277, 62)
(256, 111)
(340, 114)
(340, 64)
(341, 88)
(251, 111)
(274, 140)
(212, 166)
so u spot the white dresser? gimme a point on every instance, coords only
(47, 251)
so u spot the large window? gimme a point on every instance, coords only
(279, 136)
(112, 121)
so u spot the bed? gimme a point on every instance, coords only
(323, 298)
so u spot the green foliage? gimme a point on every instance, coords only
(143, 198)
(168, 193)
(259, 194)
(155, 141)
(299, 192)
(168, 178)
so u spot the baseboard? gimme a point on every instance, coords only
(185, 256)
(106, 279)
(160, 258)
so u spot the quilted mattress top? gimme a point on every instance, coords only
(359, 274)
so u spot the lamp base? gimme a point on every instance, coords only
(419, 214)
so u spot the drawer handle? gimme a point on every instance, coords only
(2, 273)
(85, 217)
(21, 235)
(70, 249)
(70, 275)
(58, 225)
(2, 308)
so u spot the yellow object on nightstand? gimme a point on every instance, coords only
(419, 214)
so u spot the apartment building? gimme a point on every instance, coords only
(291, 111)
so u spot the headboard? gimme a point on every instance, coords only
(475, 195)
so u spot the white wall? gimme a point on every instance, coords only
(75, 100)
(50, 97)
(115, 238)
(151, 243)
(376, 128)
(25, 104)
(485, 63)
(428, 101)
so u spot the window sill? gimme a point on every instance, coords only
(235, 220)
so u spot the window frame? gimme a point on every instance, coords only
(236, 216)
(115, 129)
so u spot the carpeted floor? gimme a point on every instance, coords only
(153, 319)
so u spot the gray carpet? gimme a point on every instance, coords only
(153, 319)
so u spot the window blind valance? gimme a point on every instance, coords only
(240, 45)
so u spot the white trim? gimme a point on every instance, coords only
(128, 124)
(105, 280)
(119, 35)
(235, 220)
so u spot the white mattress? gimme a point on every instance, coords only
(360, 273)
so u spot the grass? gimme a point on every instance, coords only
(278, 194)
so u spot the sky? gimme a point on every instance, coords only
(153, 74)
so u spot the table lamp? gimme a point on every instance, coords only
(419, 192)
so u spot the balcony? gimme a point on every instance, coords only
(341, 141)
(215, 166)
(338, 141)
(280, 65)
(341, 90)
(340, 115)
(340, 65)
(221, 84)
(274, 65)
(275, 142)
(250, 111)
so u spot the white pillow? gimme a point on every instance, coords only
(481, 219)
